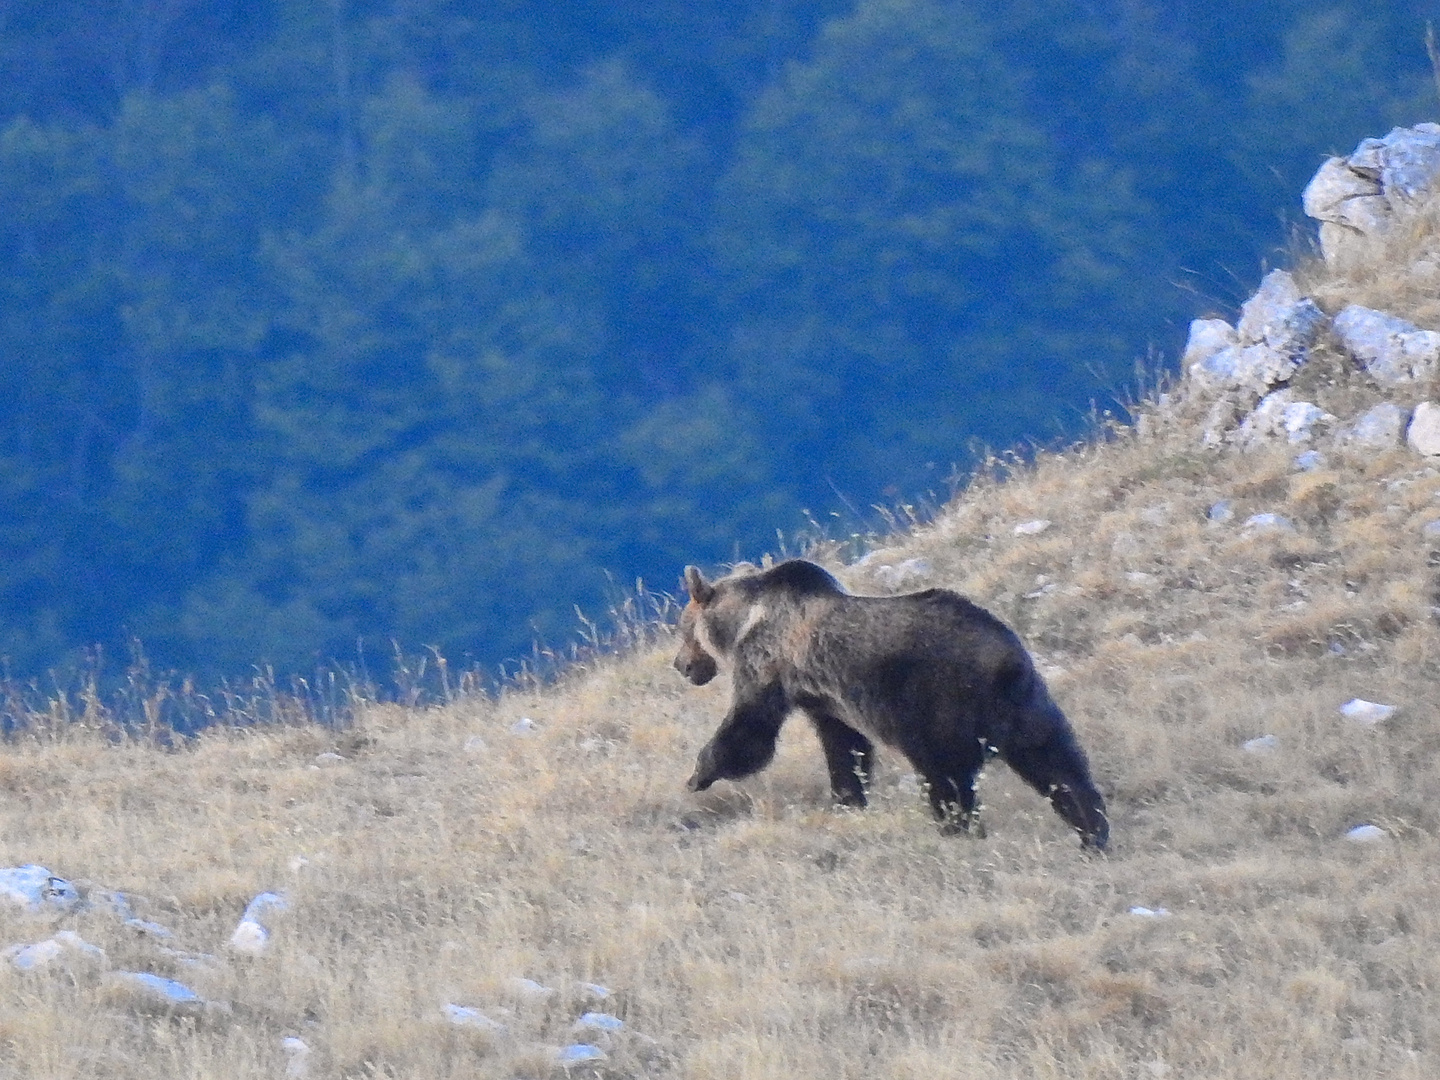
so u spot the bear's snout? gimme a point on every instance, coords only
(696, 665)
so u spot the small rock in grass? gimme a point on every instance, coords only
(578, 1054)
(595, 990)
(251, 935)
(1032, 528)
(42, 953)
(1150, 913)
(1366, 713)
(35, 888)
(1256, 524)
(1365, 834)
(524, 726)
(1264, 744)
(159, 987)
(1430, 530)
(1222, 511)
(599, 1021)
(475, 745)
(1309, 461)
(464, 1016)
(249, 938)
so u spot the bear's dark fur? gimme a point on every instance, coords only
(930, 673)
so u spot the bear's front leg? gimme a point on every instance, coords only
(1058, 770)
(744, 743)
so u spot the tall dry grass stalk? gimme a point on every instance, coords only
(433, 855)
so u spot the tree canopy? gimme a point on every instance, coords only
(377, 321)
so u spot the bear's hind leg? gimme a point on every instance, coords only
(849, 755)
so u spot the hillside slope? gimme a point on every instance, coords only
(432, 857)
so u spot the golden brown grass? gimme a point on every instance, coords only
(755, 932)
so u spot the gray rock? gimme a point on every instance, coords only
(1423, 435)
(1409, 160)
(1394, 352)
(1278, 316)
(1276, 329)
(1379, 428)
(1278, 415)
(1257, 524)
(1382, 182)
(1207, 337)
(1365, 834)
(1267, 421)
(1255, 368)
(1224, 412)
(1222, 511)
(1366, 713)
(1302, 418)
(1332, 192)
(36, 889)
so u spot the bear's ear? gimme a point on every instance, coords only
(701, 591)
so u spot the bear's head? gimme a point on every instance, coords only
(693, 659)
(719, 614)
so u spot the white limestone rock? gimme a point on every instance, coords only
(1366, 713)
(37, 890)
(1279, 416)
(1365, 834)
(1207, 337)
(1273, 338)
(1423, 434)
(1369, 192)
(252, 933)
(1278, 316)
(1379, 428)
(1266, 524)
(1394, 352)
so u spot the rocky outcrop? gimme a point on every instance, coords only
(1377, 187)
(1243, 374)
(1276, 329)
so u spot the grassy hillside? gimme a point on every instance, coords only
(433, 856)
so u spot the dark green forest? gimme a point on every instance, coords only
(420, 321)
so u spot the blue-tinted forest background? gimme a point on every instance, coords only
(325, 321)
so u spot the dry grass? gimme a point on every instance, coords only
(755, 932)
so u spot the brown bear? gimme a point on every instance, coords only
(929, 673)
